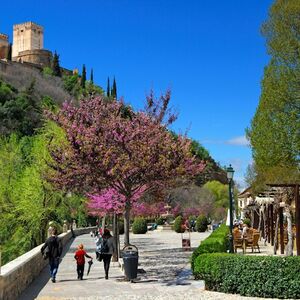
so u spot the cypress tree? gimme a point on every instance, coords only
(83, 77)
(108, 88)
(92, 76)
(114, 89)
(55, 65)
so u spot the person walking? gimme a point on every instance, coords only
(80, 255)
(53, 247)
(107, 250)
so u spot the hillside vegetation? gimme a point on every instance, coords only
(28, 199)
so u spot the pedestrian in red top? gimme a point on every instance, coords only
(79, 256)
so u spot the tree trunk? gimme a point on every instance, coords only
(103, 223)
(259, 221)
(118, 238)
(126, 222)
(115, 229)
(276, 232)
(265, 225)
(252, 218)
(289, 247)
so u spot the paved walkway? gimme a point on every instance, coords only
(164, 273)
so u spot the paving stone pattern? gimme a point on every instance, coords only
(164, 273)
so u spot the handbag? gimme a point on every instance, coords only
(46, 253)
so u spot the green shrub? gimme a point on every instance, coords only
(247, 222)
(255, 276)
(48, 71)
(178, 225)
(216, 242)
(201, 224)
(139, 225)
(160, 221)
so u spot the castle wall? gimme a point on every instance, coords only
(4, 46)
(38, 57)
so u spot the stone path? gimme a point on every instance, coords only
(164, 273)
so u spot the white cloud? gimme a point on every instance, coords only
(238, 141)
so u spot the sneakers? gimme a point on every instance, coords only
(106, 277)
(53, 280)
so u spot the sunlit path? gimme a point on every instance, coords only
(164, 269)
(164, 273)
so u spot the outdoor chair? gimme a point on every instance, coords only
(237, 240)
(253, 242)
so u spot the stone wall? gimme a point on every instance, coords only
(16, 275)
(38, 57)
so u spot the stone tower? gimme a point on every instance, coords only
(4, 46)
(27, 36)
(28, 43)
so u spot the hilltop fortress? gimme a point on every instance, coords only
(27, 45)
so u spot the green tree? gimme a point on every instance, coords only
(114, 89)
(108, 88)
(83, 77)
(55, 65)
(220, 192)
(19, 112)
(28, 200)
(92, 76)
(275, 128)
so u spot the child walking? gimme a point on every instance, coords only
(79, 256)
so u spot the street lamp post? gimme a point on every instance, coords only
(230, 173)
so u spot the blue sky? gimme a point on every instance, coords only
(210, 53)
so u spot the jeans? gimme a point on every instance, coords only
(53, 264)
(80, 271)
(106, 261)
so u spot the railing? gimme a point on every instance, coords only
(16, 275)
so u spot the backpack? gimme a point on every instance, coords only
(104, 247)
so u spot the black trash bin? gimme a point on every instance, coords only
(130, 257)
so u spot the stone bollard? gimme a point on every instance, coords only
(49, 233)
(65, 226)
(74, 226)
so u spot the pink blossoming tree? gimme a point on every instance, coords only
(116, 154)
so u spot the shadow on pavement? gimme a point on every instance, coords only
(170, 269)
(38, 284)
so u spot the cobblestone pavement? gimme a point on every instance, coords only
(164, 273)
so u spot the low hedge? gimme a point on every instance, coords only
(216, 242)
(160, 221)
(201, 224)
(139, 226)
(178, 225)
(255, 276)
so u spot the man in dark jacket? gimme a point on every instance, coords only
(54, 248)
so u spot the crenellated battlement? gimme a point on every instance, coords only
(4, 37)
(27, 25)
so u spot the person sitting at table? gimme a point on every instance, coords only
(245, 230)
